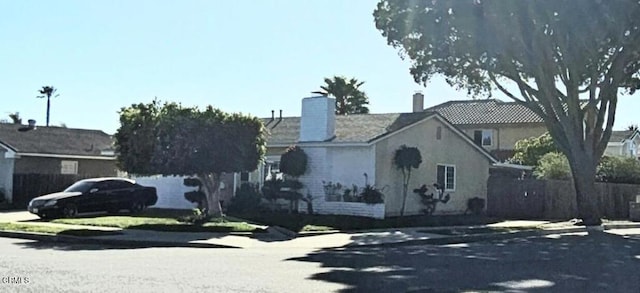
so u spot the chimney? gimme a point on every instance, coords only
(280, 115)
(273, 115)
(318, 119)
(418, 102)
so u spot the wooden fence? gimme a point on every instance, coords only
(28, 186)
(553, 199)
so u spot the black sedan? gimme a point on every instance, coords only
(94, 195)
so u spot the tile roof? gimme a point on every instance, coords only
(621, 135)
(349, 128)
(55, 140)
(489, 111)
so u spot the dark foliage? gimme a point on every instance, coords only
(246, 200)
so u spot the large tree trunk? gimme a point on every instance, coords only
(584, 173)
(211, 184)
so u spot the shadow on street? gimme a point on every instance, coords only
(598, 262)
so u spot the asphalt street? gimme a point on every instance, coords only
(597, 262)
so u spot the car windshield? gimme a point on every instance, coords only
(80, 186)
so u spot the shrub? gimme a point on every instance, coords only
(553, 166)
(371, 195)
(619, 170)
(270, 188)
(246, 200)
(292, 184)
(196, 196)
(475, 205)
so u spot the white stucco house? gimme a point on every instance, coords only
(358, 150)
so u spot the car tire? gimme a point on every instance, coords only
(136, 207)
(70, 211)
(44, 216)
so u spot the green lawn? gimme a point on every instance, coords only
(53, 230)
(162, 220)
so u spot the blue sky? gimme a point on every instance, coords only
(239, 56)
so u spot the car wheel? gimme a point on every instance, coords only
(136, 207)
(70, 211)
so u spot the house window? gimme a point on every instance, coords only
(439, 133)
(244, 176)
(483, 137)
(447, 177)
(68, 167)
(272, 170)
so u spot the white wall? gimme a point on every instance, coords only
(6, 175)
(170, 191)
(345, 165)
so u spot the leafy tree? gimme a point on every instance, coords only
(293, 163)
(48, 92)
(350, 99)
(15, 118)
(406, 158)
(619, 170)
(550, 51)
(553, 165)
(528, 151)
(170, 139)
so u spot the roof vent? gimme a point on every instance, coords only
(31, 126)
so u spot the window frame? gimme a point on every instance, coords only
(446, 166)
(68, 167)
(482, 136)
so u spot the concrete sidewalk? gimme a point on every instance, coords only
(281, 238)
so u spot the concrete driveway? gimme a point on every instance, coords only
(16, 216)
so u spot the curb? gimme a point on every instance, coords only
(470, 238)
(107, 241)
(284, 232)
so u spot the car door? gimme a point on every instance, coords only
(121, 195)
(100, 196)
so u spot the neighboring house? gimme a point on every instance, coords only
(493, 124)
(497, 125)
(53, 150)
(342, 149)
(624, 143)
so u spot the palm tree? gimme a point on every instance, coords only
(405, 159)
(47, 91)
(350, 99)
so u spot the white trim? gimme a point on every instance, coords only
(66, 156)
(10, 153)
(615, 143)
(482, 132)
(455, 173)
(513, 166)
(326, 144)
